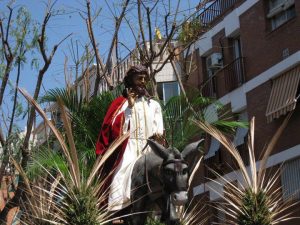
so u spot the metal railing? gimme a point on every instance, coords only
(215, 10)
(234, 74)
(209, 88)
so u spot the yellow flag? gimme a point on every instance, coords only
(157, 34)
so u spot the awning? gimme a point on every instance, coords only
(283, 94)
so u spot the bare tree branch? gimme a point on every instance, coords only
(7, 30)
(31, 117)
(143, 56)
(152, 53)
(7, 53)
(99, 62)
(94, 44)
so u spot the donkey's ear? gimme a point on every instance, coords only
(158, 149)
(192, 153)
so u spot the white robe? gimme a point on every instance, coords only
(144, 119)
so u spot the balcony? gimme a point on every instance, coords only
(234, 74)
(225, 79)
(209, 88)
(215, 11)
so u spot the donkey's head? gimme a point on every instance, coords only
(175, 171)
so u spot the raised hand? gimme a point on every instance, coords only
(131, 96)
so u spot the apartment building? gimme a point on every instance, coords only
(166, 79)
(249, 59)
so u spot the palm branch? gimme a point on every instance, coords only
(80, 196)
(177, 114)
(256, 199)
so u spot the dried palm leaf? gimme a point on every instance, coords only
(256, 200)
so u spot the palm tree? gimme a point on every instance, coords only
(256, 200)
(85, 120)
(69, 195)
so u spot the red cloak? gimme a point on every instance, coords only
(111, 129)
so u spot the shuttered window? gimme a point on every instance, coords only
(290, 179)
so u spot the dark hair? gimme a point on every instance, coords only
(131, 72)
(134, 70)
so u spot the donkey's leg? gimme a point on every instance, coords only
(139, 211)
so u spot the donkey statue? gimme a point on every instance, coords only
(161, 177)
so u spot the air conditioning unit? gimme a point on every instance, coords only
(214, 61)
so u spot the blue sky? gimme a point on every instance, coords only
(71, 22)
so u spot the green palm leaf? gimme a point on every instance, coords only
(45, 158)
(178, 114)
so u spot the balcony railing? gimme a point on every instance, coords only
(225, 79)
(209, 88)
(214, 11)
(234, 74)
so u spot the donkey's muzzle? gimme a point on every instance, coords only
(179, 198)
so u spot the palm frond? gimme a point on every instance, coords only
(23, 174)
(45, 158)
(100, 161)
(73, 151)
(177, 114)
(256, 200)
(229, 146)
(271, 145)
(196, 214)
(69, 97)
(57, 134)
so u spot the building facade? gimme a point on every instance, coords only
(249, 59)
(166, 79)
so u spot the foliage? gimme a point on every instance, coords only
(255, 209)
(43, 159)
(256, 200)
(84, 210)
(190, 31)
(177, 113)
(72, 197)
(86, 116)
(153, 221)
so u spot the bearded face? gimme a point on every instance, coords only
(139, 84)
(140, 90)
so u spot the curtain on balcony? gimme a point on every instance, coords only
(283, 94)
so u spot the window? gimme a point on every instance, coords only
(290, 179)
(214, 63)
(238, 64)
(237, 48)
(167, 90)
(280, 11)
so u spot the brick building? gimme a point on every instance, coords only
(249, 59)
